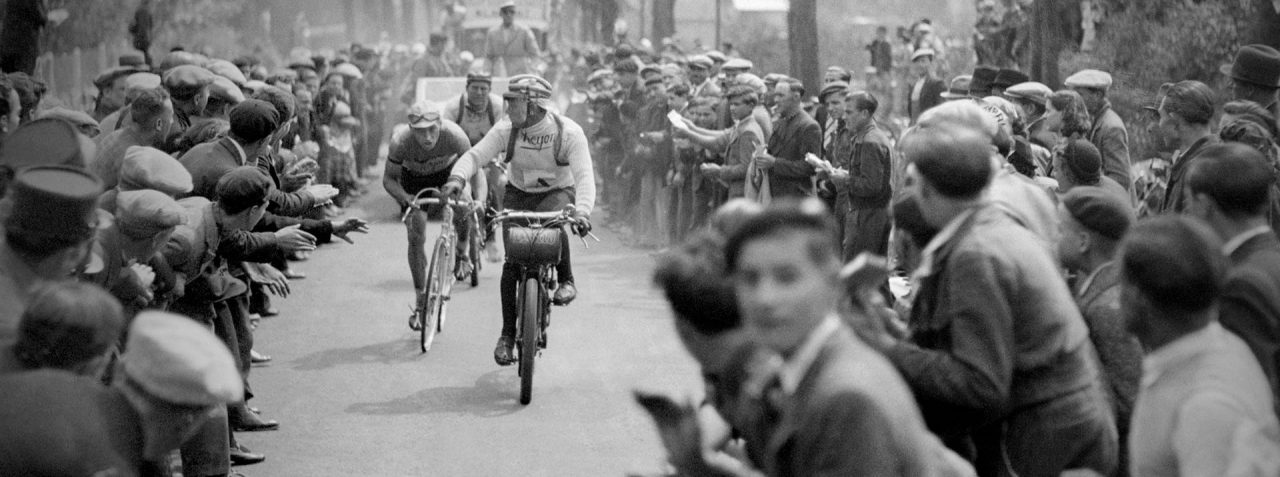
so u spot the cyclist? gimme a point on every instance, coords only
(421, 155)
(549, 167)
(477, 110)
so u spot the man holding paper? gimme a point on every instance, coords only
(862, 159)
(739, 142)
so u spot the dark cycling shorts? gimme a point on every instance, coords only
(549, 201)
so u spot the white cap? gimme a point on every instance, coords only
(175, 359)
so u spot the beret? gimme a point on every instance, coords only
(831, 88)
(1099, 210)
(179, 361)
(737, 64)
(1089, 79)
(1083, 160)
(242, 187)
(227, 70)
(53, 201)
(150, 168)
(923, 52)
(253, 119)
(349, 70)
(225, 90)
(142, 80)
(75, 117)
(1029, 91)
(1008, 77)
(699, 61)
(142, 214)
(716, 56)
(186, 78)
(108, 76)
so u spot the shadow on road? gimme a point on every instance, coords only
(392, 352)
(494, 395)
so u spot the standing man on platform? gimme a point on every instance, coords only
(510, 48)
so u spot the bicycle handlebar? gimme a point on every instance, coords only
(561, 218)
(419, 201)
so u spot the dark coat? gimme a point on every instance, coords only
(1176, 192)
(1112, 139)
(793, 137)
(1118, 351)
(1250, 304)
(850, 415)
(930, 96)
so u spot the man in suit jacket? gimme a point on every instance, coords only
(1108, 132)
(927, 91)
(794, 135)
(1229, 186)
(999, 358)
(832, 391)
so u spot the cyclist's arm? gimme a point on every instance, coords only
(391, 182)
(578, 153)
(493, 143)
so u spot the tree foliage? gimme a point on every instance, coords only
(90, 23)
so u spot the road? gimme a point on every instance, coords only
(356, 397)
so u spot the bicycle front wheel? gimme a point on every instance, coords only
(475, 246)
(530, 316)
(437, 273)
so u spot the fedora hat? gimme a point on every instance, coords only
(959, 88)
(1255, 64)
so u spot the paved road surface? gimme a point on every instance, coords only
(355, 397)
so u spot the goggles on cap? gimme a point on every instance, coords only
(417, 118)
(529, 87)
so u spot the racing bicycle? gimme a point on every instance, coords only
(429, 316)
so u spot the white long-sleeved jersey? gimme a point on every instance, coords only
(534, 167)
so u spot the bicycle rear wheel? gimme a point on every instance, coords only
(431, 309)
(530, 311)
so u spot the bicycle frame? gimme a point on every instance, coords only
(435, 294)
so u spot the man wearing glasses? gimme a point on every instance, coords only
(420, 157)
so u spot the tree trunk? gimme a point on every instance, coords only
(608, 16)
(1266, 27)
(802, 39)
(664, 19)
(353, 25)
(409, 20)
(1046, 43)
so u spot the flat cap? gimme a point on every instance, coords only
(46, 141)
(254, 86)
(186, 79)
(1029, 91)
(599, 74)
(226, 69)
(737, 64)
(79, 119)
(479, 78)
(172, 358)
(110, 75)
(424, 113)
(142, 80)
(773, 78)
(175, 59)
(716, 56)
(1096, 79)
(253, 120)
(54, 202)
(650, 68)
(923, 53)
(1099, 210)
(242, 187)
(652, 81)
(142, 214)
(150, 168)
(349, 70)
(226, 91)
(832, 88)
(699, 61)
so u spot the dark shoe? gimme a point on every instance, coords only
(462, 269)
(257, 358)
(245, 421)
(565, 293)
(240, 455)
(502, 353)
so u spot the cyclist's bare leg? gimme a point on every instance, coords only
(417, 234)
